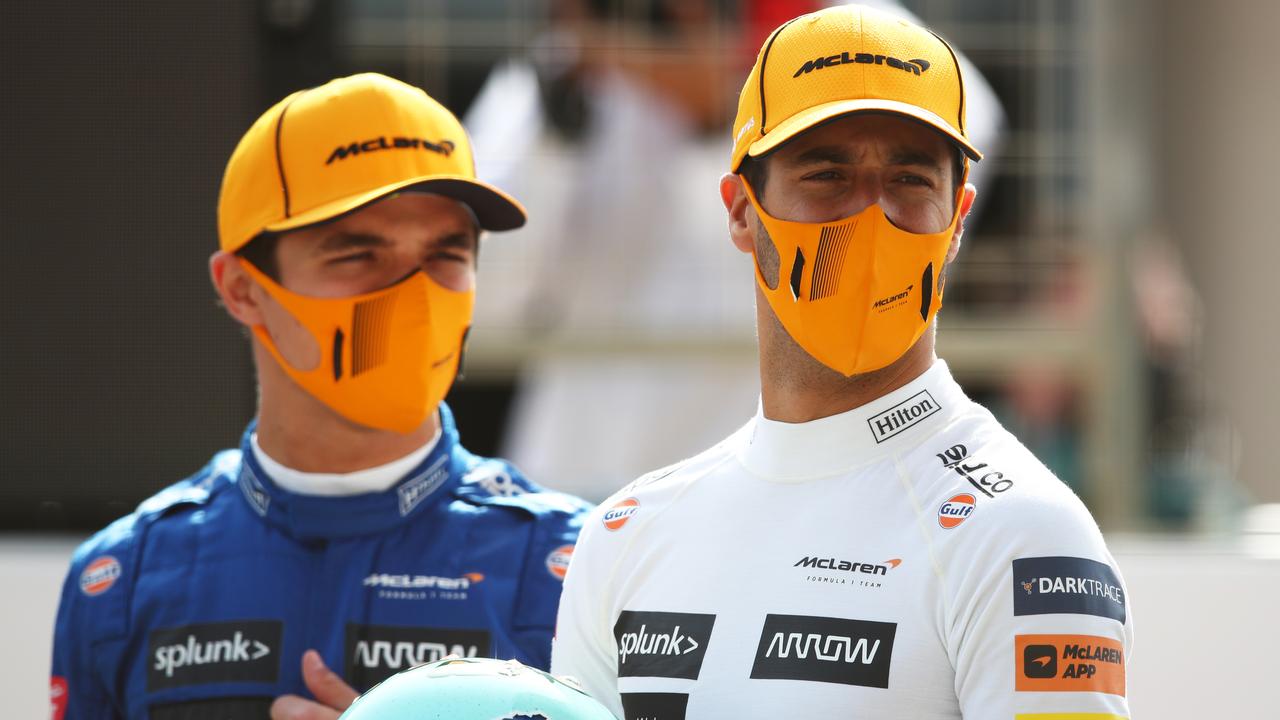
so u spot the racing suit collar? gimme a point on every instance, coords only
(313, 517)
(794, 452)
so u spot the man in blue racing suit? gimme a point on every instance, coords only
(350, 530)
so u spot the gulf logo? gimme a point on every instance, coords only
(619, 514)
(956, 510)
(99, 575)
(558, 561)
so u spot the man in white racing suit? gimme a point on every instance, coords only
(872, 544)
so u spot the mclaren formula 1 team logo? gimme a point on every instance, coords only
(825, 649)
(662, 644)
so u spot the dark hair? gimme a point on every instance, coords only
(261, 253)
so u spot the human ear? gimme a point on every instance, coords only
(239, 294)
(966, 204)
(734, 196)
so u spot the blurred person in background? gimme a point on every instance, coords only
(611, 133)
(872, 543)
(350, 529)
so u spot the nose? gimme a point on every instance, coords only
(866, 189)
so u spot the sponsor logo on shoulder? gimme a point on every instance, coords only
(902, 416)
(57, 697)
(495, 480)
(846, 572)
(1048, 585)
(414, 490)
(956, 510)
(825, 649)
(558, 561)
(376, 652)
(985, 480)
(240, 651)
(618, 515)
(654, 706)
(662, 644)
(1069, 663)
(99, 575)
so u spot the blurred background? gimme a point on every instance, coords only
(1109, 303)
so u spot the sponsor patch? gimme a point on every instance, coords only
(413, 491)
(57, 697)
(1078, 586)
(233, 708)
(376, 652)
(99, 575)
(654, 706)
(1069, 663)
(980, 475)
(662, 644)
(240, 651)
(558, 561)
(824, 649)
(956, 510)
(902, 416)
(618, 515)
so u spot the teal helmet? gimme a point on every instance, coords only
(475, 689)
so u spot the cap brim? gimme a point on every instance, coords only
(494, 209)
(810, 117)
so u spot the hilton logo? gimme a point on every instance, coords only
(903, 415)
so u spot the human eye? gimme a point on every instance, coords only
(351, 258)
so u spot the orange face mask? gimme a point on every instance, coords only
(387, 358)
(856, 293)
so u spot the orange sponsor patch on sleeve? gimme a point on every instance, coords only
(1069, 663)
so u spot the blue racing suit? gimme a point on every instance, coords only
(200, 604)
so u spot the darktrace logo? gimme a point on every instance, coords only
(988, 483)
(824, 649)
(376, 652)
(1078, 586)
(242, 651)
(916, 66)
(662, 644)
(902, 416)
(845, 572)
(1069, 663)
(342, 152)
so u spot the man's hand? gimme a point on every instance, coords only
(331, 693)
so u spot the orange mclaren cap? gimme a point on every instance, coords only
(842, 60)
(329, 150)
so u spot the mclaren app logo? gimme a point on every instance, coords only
(662, 644)
(241, 651)
(1077, 586)
(1069, 663)
(376, 652)
(824, 649)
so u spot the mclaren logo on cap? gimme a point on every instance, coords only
(914, 66)
(444, 147)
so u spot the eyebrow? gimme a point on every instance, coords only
(341, 241)
(840, 155)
